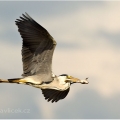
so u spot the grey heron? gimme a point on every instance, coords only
(37, 51)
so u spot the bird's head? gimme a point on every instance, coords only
(70, 79)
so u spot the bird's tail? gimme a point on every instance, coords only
(13, 80)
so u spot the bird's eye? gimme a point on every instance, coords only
(69, 77)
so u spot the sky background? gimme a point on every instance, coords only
(88, 45)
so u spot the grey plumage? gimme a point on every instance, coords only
(37, 52)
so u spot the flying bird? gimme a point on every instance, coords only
(37, 51)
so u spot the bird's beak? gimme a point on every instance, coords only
(76, 80)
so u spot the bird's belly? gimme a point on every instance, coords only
(33, 80)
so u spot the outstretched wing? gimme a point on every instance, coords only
(54, 95)
(38, 47)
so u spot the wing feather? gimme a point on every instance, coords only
(38, 47)
(54, 95)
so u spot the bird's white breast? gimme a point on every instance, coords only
(62, 82)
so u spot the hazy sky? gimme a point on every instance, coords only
(88, 45)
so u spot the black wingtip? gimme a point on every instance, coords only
(25, 17)
(54, 95)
